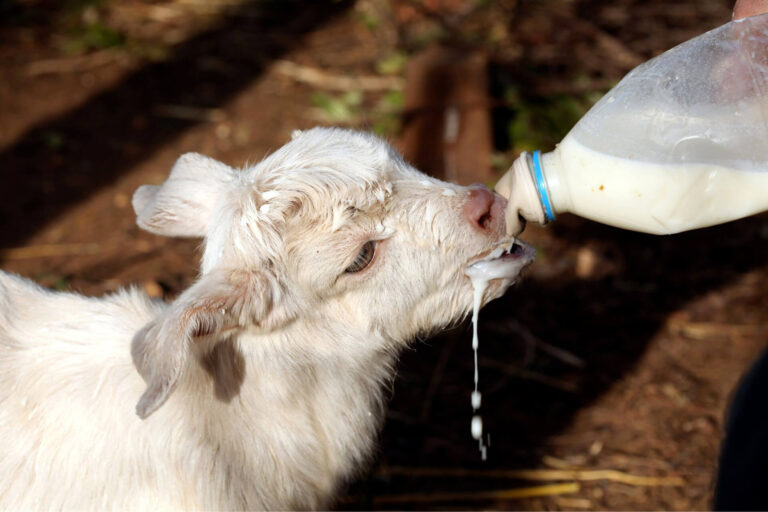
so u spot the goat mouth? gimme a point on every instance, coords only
(504, 262)
(508, 249)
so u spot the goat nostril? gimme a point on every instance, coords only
(485, 220)
(478, 209)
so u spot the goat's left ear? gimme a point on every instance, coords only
(182, 206)
(218, 303)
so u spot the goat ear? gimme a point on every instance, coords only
(182, 206)
(206, 313)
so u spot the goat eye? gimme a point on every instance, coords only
(363, 259)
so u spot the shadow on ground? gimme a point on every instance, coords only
(60, 163)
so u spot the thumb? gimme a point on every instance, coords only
(745, 8)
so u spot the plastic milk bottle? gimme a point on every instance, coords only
(680, 143)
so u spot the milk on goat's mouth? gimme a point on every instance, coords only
(653, 197)
(481, 273)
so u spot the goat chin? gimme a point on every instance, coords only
(260, 386)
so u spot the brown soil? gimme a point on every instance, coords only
(618, 351)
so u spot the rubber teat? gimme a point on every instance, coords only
(518, 186)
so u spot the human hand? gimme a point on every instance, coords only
(745, 8)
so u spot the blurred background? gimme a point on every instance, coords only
(606, 373)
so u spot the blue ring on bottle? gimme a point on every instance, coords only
(542, 186)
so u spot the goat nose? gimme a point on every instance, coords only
(484, 210)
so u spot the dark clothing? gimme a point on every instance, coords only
(742, 480)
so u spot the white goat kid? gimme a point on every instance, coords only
(320, 262)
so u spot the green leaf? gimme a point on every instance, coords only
(392, 65)
(93, 36)
(337, 109)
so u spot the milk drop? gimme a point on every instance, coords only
(477, 427)
(481, 273)
(479, 283)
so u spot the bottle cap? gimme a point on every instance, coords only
(541, 186)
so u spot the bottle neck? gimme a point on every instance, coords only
(550, 183)
(537, 172)
(534, 190)
(519, 186)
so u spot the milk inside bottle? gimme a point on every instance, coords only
(680, 143)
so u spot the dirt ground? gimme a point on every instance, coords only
(617, 352)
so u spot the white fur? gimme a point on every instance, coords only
(262, 383)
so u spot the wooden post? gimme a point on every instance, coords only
(447, 122)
